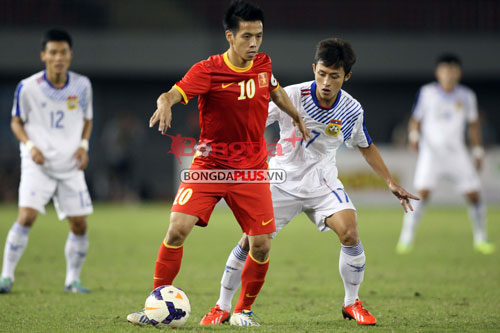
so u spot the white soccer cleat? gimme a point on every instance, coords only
(244, 318)
(138, 318)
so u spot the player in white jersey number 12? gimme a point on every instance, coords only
(52, 119)
(437, 130)
(333, 117)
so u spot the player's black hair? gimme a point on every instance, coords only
(241, 10)
(449, 58)
(56, 35)
(335, 52)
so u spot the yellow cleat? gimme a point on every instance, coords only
(403, 248)
(484, 247)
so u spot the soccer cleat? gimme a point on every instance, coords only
(138, 318)
(76, 288)
(403, 248)
(5, 285)
(484, 247)
(358, 312)
(244, 318)
(215, 316)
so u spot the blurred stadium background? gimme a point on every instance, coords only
(133, 50)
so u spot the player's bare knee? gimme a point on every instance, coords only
(175, 236)
(260, 254)
(78, 224)
(260, 246)
(349, 237)
(424, 194)
(244, 243)
(473, 197)
(179, 228)
(26, 216)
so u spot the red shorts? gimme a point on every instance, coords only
(250, 202)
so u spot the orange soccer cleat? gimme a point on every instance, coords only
(358, 312)
(215, 316)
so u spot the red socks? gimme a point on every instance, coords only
(168, 264)
(252, 279)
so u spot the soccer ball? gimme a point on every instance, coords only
(167, 306)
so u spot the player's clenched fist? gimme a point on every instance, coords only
(37, 156)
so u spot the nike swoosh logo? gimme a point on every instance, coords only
(224, 86)
(157, 278)
(267, 222)
(148, 308)
(250, 296)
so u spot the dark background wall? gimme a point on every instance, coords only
(133, 50)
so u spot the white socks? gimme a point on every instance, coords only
(17, 240)
(410, 222)
(477, 214)
(351, 267)
(75, 251)
(352, 270)
(231, 279)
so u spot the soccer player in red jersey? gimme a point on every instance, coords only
(234, 90)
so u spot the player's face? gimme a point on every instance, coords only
(448, 75)
(246, 42)
(329, 81)
(57, 57)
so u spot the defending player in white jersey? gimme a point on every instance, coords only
(52, 119)
(437, 130)
(333, 117)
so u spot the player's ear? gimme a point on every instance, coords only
(42, 56)
(347, 77)
(314, 68)
(229, 36)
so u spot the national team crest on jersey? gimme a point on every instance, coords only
(459, 105)
(72, 102)
(333, 128)
(263, 80)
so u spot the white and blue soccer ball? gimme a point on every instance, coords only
(167, 306)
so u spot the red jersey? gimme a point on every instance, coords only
(233, 104)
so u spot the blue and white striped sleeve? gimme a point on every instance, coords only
(360, 136)
(19, 108)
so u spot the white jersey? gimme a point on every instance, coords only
(443, 117)
(310, 165)
(54, 118)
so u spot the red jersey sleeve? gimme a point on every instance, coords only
(195, 82)
(273, 83)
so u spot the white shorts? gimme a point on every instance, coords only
(287, 206)
(457, 168)
(71, 196)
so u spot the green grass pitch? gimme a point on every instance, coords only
(442, 286)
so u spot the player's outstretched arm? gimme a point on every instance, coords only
(374, 159)
(17, 126)
(163, 113)
(82, 153)
(413, 133)
(281, 99)
(476, 143)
